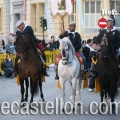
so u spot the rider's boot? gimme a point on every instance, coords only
(44, 70)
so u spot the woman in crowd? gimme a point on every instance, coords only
(2, 46)
(8, 66)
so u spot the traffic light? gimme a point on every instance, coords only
(41, 21)
(44, 24)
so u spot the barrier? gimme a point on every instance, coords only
(50, 56)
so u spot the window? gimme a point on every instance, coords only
(72, 18)
(37, 10)
(116, 5)
(92, 14)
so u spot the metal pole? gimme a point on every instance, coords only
(8, 18)
(43, 29)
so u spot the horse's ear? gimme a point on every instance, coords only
(18, 34)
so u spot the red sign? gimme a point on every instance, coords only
(102, 23)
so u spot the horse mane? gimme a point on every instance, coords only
(30, 42)
(70, 44)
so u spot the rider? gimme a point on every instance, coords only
(74, 37)
(24, 29)
(112, 33)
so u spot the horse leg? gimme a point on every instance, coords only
(113, 104)
(79, 88)
(27, 85)
(22, 90)
(73, 92)
(102, 96)
(40, 86)
(106, 96)
(62, 83)
(32, 90)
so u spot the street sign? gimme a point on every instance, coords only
(102, 23)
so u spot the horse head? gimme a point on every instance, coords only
(20, 43)
(24, 43)
(105, 46)
(67, 51)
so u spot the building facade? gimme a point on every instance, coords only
(30, 12)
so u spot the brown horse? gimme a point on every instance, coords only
(30, 65)
(107, 71)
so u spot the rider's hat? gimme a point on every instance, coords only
(109, 19)
(19, 23)
(72, 23)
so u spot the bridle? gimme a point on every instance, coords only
(104, 42)
(67, 59)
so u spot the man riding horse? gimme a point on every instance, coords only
(24, 30)
(75, 39)
(112, 34)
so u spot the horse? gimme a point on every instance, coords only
(69, 69)
(29, 66)
(107, 71)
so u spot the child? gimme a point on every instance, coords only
(92, 54)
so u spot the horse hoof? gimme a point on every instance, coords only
(79, 104)
(104, 105)
(23, 105)
(32, 105)
(43, 100)
(73, 109)
(63, 110)
(113, 111)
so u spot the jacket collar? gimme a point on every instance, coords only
(114, 28)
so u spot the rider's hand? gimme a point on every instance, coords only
(12, 34)
(63, 32)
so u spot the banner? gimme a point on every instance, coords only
(61, 7)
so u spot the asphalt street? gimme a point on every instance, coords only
(10, 92)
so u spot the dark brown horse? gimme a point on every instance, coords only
(107, 71)
(30, 66)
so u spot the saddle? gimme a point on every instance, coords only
(57, 59)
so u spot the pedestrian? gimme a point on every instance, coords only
(2, 47)
(10, 48)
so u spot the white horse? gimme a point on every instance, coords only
(69, 69)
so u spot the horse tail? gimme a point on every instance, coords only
(112, 85)
(34, 86)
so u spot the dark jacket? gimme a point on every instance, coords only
(28, 30)
(93, 53)
(7, 64)
(74, 38)
(113, 35)
(86, 51)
